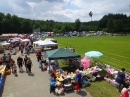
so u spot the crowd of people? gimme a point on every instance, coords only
(72, 49)
(11, 64)
(25, 60)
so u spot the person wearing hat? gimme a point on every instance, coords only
(120, 78)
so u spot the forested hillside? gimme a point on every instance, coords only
(113, 23)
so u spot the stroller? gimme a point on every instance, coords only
(68, 84)
(85, 81)
(52, 85)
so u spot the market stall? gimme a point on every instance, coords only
(60, 53)
(112, 74)
(2, 72)
(46, 44)
(92, 73)
(51, 39)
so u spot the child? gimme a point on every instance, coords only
(15, 69)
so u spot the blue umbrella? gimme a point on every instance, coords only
(93, 54)
(13, 41)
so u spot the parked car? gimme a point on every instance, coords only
(74, 34)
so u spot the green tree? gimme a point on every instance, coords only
(1, 18)
(110, 27)
(26, 26)
(77, 24)
(91, 14)
(16, 24)
(118, 26)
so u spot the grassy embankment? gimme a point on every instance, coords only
(115, 51)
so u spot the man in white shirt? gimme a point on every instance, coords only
(70, 48)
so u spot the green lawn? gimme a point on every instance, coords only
(115, 49)
(116, 52)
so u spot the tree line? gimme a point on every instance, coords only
(112, 23)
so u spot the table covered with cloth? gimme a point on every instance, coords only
(2, 71)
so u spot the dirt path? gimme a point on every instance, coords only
(35, 84)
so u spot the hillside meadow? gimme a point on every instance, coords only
(115, 49)
(116, 53)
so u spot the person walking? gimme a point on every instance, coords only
(4, 57)
(29, 64)
(120, 78)
(28, 50)
(25, 62)
(9, 57)
(21, 50)
(20, 63)
(15, 69)
(39, 56)
(11, 63)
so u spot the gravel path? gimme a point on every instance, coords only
(35, 84)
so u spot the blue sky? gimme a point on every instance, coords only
(64, 10)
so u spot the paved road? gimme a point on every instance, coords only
(32, 85)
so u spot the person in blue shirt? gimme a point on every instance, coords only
(4, 59)
(78, 78)
(120, 78)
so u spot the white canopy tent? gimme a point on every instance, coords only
(36, 42)
(49, 39)
(46, 42)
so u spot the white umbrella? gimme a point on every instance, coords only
(25, 40)
(6, 43)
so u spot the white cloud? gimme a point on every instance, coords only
(62, 10)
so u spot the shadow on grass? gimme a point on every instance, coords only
(2, 88)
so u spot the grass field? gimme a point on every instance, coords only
(116, 52)
(115, 49)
